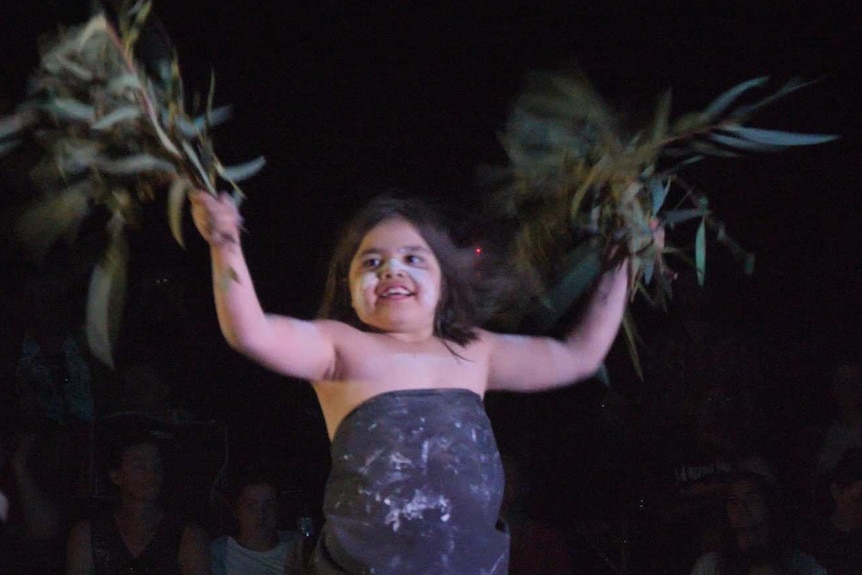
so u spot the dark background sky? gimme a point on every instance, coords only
(348, 98)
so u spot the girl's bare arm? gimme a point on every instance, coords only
(294, 347)
(523, 363)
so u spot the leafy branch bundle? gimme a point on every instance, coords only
(577, 185)
(112, 137)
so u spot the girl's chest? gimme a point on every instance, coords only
(418, 367)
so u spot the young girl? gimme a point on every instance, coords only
(400, 371)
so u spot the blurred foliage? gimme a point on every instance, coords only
(581, 187)
(113, 133)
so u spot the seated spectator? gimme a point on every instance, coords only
(756, 542)
(259, 548)
(30, 516)
(688, 478)
(837, 541)
(138, 535)
(845, 430)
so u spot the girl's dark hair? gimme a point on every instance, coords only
(455, 316)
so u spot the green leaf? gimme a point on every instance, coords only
(649, 269)
(745, 112)
(185, 126)
(720, 104)
(582, 266)
(106, 298)
(778, 138)
(211, 92)
(662, 117)
(658, 193)
(14, 123)
(700, 252)
(213, 118)
(742, 144)
(177, 194)
(631, 343)
(80, 72)
(243, 171)
(135, 164)
(192, 156)
(194, 128)
(738, 253)
(98, 24)
(139, 11)
(70, 109)
(160, 132)
(121, 114)
(673, 217)
(680, 165)
(120, 84)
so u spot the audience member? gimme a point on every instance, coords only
(30, 514)
(138, 535)
(258, 548)
(845, 431)
(538, 546)
(817, 448)
(688, 478)
(757, 541)
(837, 541)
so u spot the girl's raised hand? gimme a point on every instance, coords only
(216, 217)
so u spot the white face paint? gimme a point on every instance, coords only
(394, 265)
(395, 279)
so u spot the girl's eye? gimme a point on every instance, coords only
(370, 263)
(413, 259)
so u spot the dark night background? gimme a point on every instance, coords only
(346, 99)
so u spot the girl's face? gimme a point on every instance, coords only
(395, 279)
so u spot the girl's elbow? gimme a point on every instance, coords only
(245, 344)
(589, 363)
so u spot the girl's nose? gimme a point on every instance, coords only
(392, 268)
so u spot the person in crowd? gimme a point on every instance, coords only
(818, 447)
(837, 541)
(400, 368)
(138, 535)
(845, 430)
(30, 510)
(259, 547)
(687, 478)
(757, 540)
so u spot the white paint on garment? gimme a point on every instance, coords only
(414, 508)
(369, 460)
(399, 462)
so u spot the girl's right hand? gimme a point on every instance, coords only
(216, 217)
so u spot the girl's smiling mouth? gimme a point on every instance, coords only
(395, 292)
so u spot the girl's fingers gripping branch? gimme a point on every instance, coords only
(216, 218)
